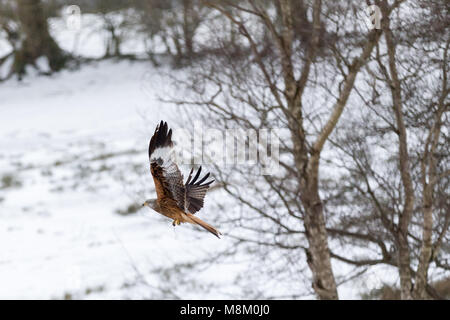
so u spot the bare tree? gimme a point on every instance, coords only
(179, 22)
(117, 21)
(396, 156)
(270, 85)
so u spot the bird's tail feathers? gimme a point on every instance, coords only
(193, 219)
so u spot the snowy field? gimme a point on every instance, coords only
(73, 164)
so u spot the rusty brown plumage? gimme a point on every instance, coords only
(175, 199)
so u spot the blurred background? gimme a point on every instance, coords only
(358, 208)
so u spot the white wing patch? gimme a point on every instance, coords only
(166, 155)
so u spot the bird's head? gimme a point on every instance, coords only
(151, 203)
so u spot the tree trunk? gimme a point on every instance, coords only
(318, 253)
(37, 40)
(188, 27)
(404, 260)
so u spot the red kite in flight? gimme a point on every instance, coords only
(175, 199)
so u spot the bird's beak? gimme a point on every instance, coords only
(143, 204)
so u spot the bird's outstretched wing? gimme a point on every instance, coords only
(196, 191)
(166, 175)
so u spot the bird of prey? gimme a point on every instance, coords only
(176, 200)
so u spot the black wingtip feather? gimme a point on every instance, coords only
(194, 182)
(196, 190)
(197, 175)
(189, 177)
(203, 179)
(161, 138)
